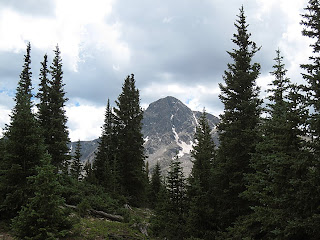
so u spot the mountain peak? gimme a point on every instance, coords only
(168, 104)
(168, 128)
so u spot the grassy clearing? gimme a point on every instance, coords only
(94, 228)
(99, 228)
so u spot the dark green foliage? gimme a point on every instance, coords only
(159, 222)
(24, 147)
(43, 96)
(203, 153)
(200, 221)
(89, 173)
(130, 151)
(51, 113)
(176, 187)
(2, 153)
(105, 166)
(156, 184)
(169, 220)
(238, 135)
(76, 165)
(2, 174)
(86, 195)
(279, 166)
(44, 216)
(311, 23)
(57, 138)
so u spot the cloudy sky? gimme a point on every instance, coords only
(174, 48)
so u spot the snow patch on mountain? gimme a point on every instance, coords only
(196, 120)
(185, 148)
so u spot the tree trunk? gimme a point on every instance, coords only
(108, 216)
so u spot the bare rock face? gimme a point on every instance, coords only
(168, 129)
(88, 149)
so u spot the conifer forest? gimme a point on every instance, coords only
(261, 182)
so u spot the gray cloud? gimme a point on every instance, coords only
(170, 42)
(188, 41)
(31, 7)
(185, 40)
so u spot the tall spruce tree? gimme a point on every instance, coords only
(58, 135)
(169, 220)
(201, 213)
(24, 146)
(89, 173)
(76, 165)
(278, 165)
(203, 153)
(238, 135)
(44, 114)
(311, 24)
(130, 152)
(105, 168)
(156, 184)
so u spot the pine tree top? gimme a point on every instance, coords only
(240, 93)
(25, 85)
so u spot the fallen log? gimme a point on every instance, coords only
(108, 216)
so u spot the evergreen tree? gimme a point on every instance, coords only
(76, 165)
(177, 194)
(130, 152)
(311, 23)
(155, 185)
(2, 173)
(43, 217)
(238, 135)
(24, 146)
(2, 154)
(278, 164)
(89, 173)
(201, 213)
(58, 138)
(169, 220)
(43, 96)
(105, 169)
(160, 221)
(203, 153)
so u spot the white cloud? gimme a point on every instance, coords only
(195, 96)
(77, 24)
(84, 121)
(4, 117)
(263, 82)
(6, 104)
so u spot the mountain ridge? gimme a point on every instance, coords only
(168, 130)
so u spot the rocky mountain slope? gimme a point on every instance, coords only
(88, 149)
(168, 129)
